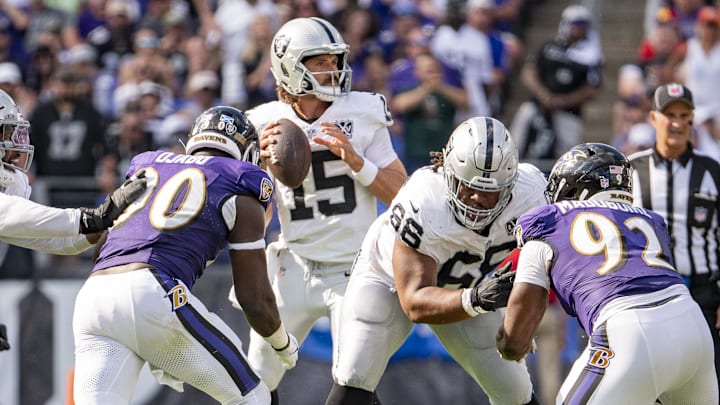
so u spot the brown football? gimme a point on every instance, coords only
(291, 155)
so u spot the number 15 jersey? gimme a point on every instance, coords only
(326, 218)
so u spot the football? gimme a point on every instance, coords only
(291, 155)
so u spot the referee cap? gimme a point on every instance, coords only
(664, 95)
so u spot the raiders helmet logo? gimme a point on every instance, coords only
(280, 45)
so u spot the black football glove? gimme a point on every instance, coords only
(98, 219)
(4, 345)
(494, 292)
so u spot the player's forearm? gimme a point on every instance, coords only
(511, 349)
(433, 305)
(69, 245)
(388, 181)
(262, 315)
(21, 218)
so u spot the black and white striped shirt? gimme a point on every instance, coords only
(685, 192)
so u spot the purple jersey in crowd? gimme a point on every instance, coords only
(602, 250)
(177, 226)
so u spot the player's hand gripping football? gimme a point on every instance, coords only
(98, 219)
(289, 354)
(493, 293)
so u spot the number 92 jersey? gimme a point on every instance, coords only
(182, 220)
(602, 250)
(421, 218)
(326, 218)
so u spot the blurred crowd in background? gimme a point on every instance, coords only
(103, 80)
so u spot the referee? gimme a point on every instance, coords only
(682, 184)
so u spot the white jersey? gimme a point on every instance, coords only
(422, 219)
(30, 225)
(326, 218)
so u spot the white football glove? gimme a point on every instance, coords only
(289, 354)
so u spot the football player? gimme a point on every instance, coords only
(34, 226)
(323, 221)
(611, 266)
(423, 260)
(137, 307)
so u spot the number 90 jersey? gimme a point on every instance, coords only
(180, 223)
(326, 218)
(420, 217)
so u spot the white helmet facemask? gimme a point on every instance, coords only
(480, 156)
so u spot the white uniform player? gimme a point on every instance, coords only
(35, 226)
(454, 248)
(353, 164)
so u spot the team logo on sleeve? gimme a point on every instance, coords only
(266, 189)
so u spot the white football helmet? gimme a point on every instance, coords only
(299, 39)
(15, 149)
(482, 156)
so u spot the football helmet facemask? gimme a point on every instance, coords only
(590, 171)
(481, 156)
(299, 39)
(227, 129)
(16, 151)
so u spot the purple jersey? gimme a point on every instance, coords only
(177, 225)
(602, 250)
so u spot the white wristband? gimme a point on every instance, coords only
(467, 305)
(367, 173)
(279, 340)
(258, 244)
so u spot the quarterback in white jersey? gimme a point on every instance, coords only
(322, 222)
(423, 261)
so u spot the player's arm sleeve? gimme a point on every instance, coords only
(380, 150)
(68, 245)
(21, 218)
(532, 264)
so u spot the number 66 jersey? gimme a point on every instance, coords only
(422, 219)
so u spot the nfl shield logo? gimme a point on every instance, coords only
(604, 182)
(700, 214)
(675, 90)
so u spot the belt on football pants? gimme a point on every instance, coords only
(655, 304)
(123, 268)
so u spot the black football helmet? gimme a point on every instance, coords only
(588, 169)
(227, 129)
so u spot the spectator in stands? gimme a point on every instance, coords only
(13, 22)
(234, 19)
(563, 76)
(359, 30)
(700, 60)
(467, 49)
(11, 83)
(147, 63)
(428, 103)
(259, 82)
(40, 71)
(632, 106)
(45, 18)
(657, 46)
(68, 131)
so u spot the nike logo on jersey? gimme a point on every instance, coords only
(414, 209)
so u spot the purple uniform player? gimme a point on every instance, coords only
(137, 307)
(611, 266)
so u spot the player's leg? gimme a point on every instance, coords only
(373, 326)
(297, 307)
(687, 340)
(106, 372)
(184, 342)
(472, 344)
